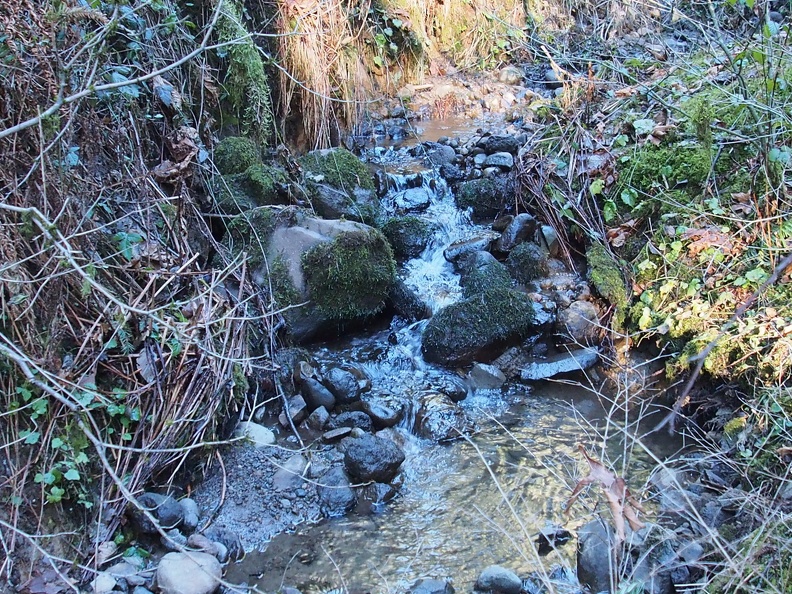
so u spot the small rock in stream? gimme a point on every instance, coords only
(343, 385)
(499, 580)
(439, 419)
(317, 395)
(191, 513)
(486, 377)
(431, 586)
(290, 474)
(371, 458)
(335, 495)
(165, 509)
(563, 363)
(382, 413)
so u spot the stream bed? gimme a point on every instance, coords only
(469, 503)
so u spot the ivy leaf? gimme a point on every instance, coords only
(596, 187)
(72, 475)
(609, 211)
(629, 197)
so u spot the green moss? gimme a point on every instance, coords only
(235, 154)
(263, 181)
(241, 385)
(669, 167)
(465, 330)
(486, 196)
(493, 276)
(604, 273)
(245, 80)
(282, 288)
(340, 168)
(349, 277)
(249, 232)
(527, 262)
(407, 235)
(231, 194)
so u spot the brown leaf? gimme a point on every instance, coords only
(621, 502)
(706, 238)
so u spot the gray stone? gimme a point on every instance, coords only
(511, 75)
(561, 363)
(499, 579)
(458, 252)
(437, 155)
(504, 161)
(371, 458)
(500, 143)
(128, 572)
(258, 435)
(103, 583)
(579, 323)
(439, 419)
(521, 229)
(319, 418)
(343, 385)
(551, 241)
(407, 303)
(317, 395)
(165, 509)
(191, 514)
(355, 418)
(297, 410)
(412, 199)
(595, 541)
(479, 160)
(173, 540)
(486, 377)
(432, 586)
(378, 493)
(336, 434)
(336, 497)
(290, 474)
(452, 386)
(382, 413)
(188, 573)
(141, 590)
(229, 539)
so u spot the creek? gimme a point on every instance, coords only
(462, 505)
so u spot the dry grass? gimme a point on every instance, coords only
(122, 352)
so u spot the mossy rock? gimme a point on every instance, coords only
(527, 262)
(407, 235)
(349, 278)
(250, 232)
(258, 185)
(487, 197)
(479, 328)
(606, 276)
(491, 276)
(339, 168)
(671, 167)
(235, 154)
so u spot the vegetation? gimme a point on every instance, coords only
(408, 235)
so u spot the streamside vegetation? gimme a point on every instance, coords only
(135, 320)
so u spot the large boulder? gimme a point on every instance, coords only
(480, 327)
(439, 419)
(408, 235)
(372, 458)
(490, 276)
(486, 197)
(188, 573)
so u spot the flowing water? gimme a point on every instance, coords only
(464, 505)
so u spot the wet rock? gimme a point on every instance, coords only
(190, 515)
(450, 385)
(296, 409)
(521, 229)
(173, 540)
(382, 413)
(550, 538)
(595, 541)
(371, 458)
(512, 362)
(335, 435)
(165, 509)
(452, 173)
(259, 436)
(504, 161)
(499, 143)
(431, 586)
(480, 327)
(290, 475)
(561, 363)
(201, 543)
(317, 395)
(343, 385)
(188, 573)
(500, 580)
(458, 252)
(336, 497)
(439, 419)
(488, 277)
(412, 199)
(335, 203)
(551, 242)
(579, 323)
(407, 235)
(527, 262)
(485, 377)
(378, 493)
(319, 418)
(486, 197)
(141, 590)
(406, 303)
(435, 154)
(353, 419)
(511, 75)
(229, 539)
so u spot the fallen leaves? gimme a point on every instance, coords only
(622, 504)
(707, 237)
